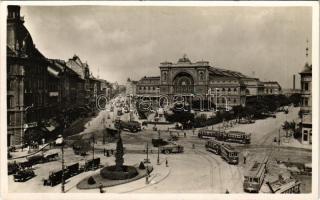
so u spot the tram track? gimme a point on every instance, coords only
(211, 166)
(212, 162)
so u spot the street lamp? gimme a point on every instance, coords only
(147, 159)
(60, 141)
(25, 110)
(93, 140)
(158, 158)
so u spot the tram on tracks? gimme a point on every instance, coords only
(231, 136)
(282, 186)
(254, 177)
(227, 152)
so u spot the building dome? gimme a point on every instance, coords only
(18, 37)
(184, 59)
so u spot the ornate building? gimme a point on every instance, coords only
(26, 79)
(194, 81)
(306, 103)
(271, 88)
(41, 90)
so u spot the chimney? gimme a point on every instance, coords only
(294, 81)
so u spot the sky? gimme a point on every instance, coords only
(120, 42)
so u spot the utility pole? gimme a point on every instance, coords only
(93, 152)
(62, 166)
(147, 160)
(158, 159)
(279, 138)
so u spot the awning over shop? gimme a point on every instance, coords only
(53, 72)
(50, 128)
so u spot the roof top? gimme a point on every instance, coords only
(307, 69)
(186, 62)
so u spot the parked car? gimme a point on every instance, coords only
(13, 168)
(23, 175)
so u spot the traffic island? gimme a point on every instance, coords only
(107, 181)
(116, 174)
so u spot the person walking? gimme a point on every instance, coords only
(166, 162)
(101, 188)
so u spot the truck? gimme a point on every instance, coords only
(132, 126)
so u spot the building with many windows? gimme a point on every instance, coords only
(42, 90)
(271, 88)
(306, 104)
(198, 80)
(26, 79)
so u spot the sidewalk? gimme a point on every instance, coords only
(21, 154)
(291, 142)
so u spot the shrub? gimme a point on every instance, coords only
(91, 181)
(111, 173)
(141, 166)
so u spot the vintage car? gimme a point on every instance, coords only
(132, 126)
(171, 148)
(23, 175)
(13, 168)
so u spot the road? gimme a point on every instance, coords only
(195, 170)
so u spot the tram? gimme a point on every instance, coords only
(227, 152)
(254, 177)
(231, 136)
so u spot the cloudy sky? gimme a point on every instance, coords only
(122, 42)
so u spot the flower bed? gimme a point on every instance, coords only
(110, 172)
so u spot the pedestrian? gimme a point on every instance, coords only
(101, 188)
(166, 162)
(193, 146)
(111, 151)
(108, 154)
(185, 135)
(244, 159)
(104, 151)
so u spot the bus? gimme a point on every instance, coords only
(227, 152)
(254, 177)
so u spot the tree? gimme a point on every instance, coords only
(81, 147)
(287, 126)
(295, 99)
(33, 135)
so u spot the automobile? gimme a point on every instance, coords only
(171, 148)
(132, 126)
(23, 175)
(13, 168)
(159, 142)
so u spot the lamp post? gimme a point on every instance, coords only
(158, 158)
(62, 167)
(147, 159)
(59, 140)
(21, 121)
(93, 152)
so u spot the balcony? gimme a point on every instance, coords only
(305, 109)
(305, 92)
